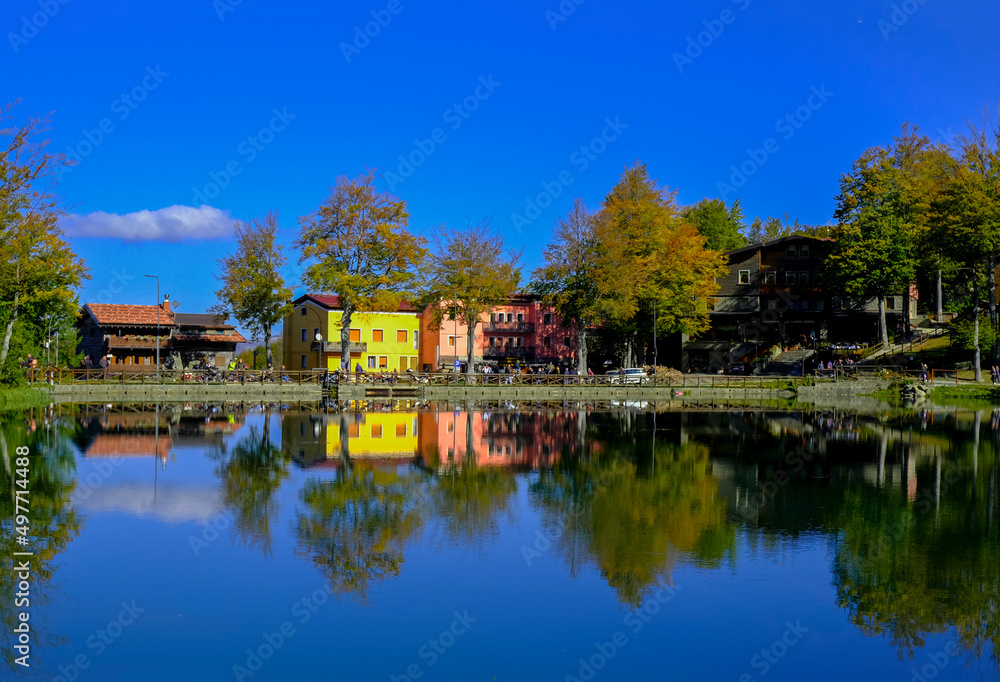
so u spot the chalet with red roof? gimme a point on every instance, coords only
(129, 334)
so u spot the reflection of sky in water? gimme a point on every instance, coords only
(210, 592)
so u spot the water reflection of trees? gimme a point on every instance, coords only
(355, 526)
(251, 472)
(634, 508)
(471, 500)
(911, 503)
(53, 520)
(909, 568)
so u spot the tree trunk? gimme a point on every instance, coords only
(267, 348)
(883, 330)
(581, 348)
(975, 336)
(992, 302)
(906, 314)
(345, 337)
(470, 346)
(940, 297)
(8, 331)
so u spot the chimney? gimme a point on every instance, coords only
(166, 304)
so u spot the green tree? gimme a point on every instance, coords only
(471, 273)
(652, 264)
(722, 227)
(38, 269)
(965, 222)
(250, 355)
(253, 290)
(877, 210)
(569, 279)
(357, 246)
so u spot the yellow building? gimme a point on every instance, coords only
(380, 342)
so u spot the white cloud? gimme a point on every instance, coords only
(171, 224)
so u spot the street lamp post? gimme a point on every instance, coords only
(158, 304)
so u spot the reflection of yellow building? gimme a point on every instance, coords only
(375, 434)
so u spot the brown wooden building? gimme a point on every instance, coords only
(773, 294)
(128, 336)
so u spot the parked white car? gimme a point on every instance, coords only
(630, 375)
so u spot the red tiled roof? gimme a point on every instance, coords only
(127, 315)
(334, 302)
(235, 337)
(131, 445)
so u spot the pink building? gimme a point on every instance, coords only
(503, 438)
(523, 330)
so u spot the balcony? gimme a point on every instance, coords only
(135, 342)
(514, 352)
(334, 347)
(772, 288)
(512, 327)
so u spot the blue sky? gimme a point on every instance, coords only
(495, 105)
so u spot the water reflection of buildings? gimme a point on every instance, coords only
(497, 438)
(755, 455)
(109, 434)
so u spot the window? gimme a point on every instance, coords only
(302, 311)
(402, 363)
(547, 318)
(303, 362)
(770, 277)
(790, 277)
(547, 342)
(745, 303)
(355, 336)
(492, 341)
(371, 362)
(566, 342)
(772, 304)
(793, 305)
(510, 317)
(416, 339)
(401, 336)
(890, 303)
(803, 250)
(353, 430)
(493, 318)
(744, 277)
(413, 364)
(400, 430)
(818, 305)
(451, 426)
(377, 335)
(793, 251)
(804, 304)
(376, 430)
(451, 341)
(517, 342)
(383, 362)
(520, 317)
(804, 277)
(315, 332)
(303, 333)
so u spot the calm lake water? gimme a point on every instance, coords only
(507, 542)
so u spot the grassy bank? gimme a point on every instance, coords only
(971, 397)
(21, 398)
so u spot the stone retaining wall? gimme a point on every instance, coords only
(116, 393)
